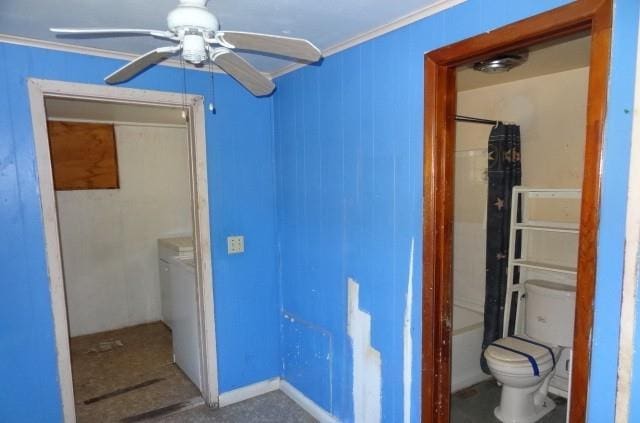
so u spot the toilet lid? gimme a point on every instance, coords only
(521, 352)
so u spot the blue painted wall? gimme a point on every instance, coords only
(349, 176)
(611, 238)
(242, 197)
(634, 401)
(346, 203)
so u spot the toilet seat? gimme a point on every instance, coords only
(521, 356)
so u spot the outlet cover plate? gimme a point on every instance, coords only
(235, 244)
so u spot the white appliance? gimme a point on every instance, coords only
(168, 248)
(525, 364)
(186, 345)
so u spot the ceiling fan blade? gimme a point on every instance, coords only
(113, 31)
(136, 66)
(297, 48)
(242, 72)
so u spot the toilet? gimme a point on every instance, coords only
(524, 363)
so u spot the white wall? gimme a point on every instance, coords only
(109, 236)
(551, 112)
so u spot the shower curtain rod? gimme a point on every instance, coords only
(471, 119)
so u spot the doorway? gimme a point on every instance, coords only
(136, 347)
(518, 166)
(593, 17)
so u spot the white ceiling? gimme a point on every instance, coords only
(326, 23)
(98, 111)
(554, 56)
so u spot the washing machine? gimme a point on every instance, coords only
(168, 248)
(186, 343)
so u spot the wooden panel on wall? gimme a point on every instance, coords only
(83, 155)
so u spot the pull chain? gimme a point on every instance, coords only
(185, 114)
(212, 107)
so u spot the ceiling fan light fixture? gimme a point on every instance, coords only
(194, 49)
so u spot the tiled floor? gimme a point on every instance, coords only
(128, 376)
(476, 404)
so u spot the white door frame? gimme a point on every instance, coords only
(38, 90)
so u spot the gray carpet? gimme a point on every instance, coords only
(274, 407)
(476, 404)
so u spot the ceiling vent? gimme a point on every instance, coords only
(501, 63)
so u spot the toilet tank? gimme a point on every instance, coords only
(550, 309)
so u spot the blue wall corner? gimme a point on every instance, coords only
(349, 161)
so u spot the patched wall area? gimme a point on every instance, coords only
(367, 362)
(307, 359)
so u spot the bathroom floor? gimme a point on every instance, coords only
(476, 404)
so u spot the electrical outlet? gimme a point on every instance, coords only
(235, 244)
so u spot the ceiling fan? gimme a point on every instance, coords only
(199, 39)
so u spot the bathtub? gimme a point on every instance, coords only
(466, 347)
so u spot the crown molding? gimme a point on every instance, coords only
(405, 20)
(410, 18)
(91, 51)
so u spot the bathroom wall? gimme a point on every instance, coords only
(469, 229)
(551, 112)
(108, 237)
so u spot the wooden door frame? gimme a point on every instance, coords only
(439, 141)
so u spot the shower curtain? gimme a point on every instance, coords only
(504, 172)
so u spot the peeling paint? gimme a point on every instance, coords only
(367, 378)
(408, 342)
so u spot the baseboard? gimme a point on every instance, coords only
(469, 304)
(270, 385)
(249, 391)
(307, 404)
(468, 381)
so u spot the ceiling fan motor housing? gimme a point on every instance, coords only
(192, 14)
